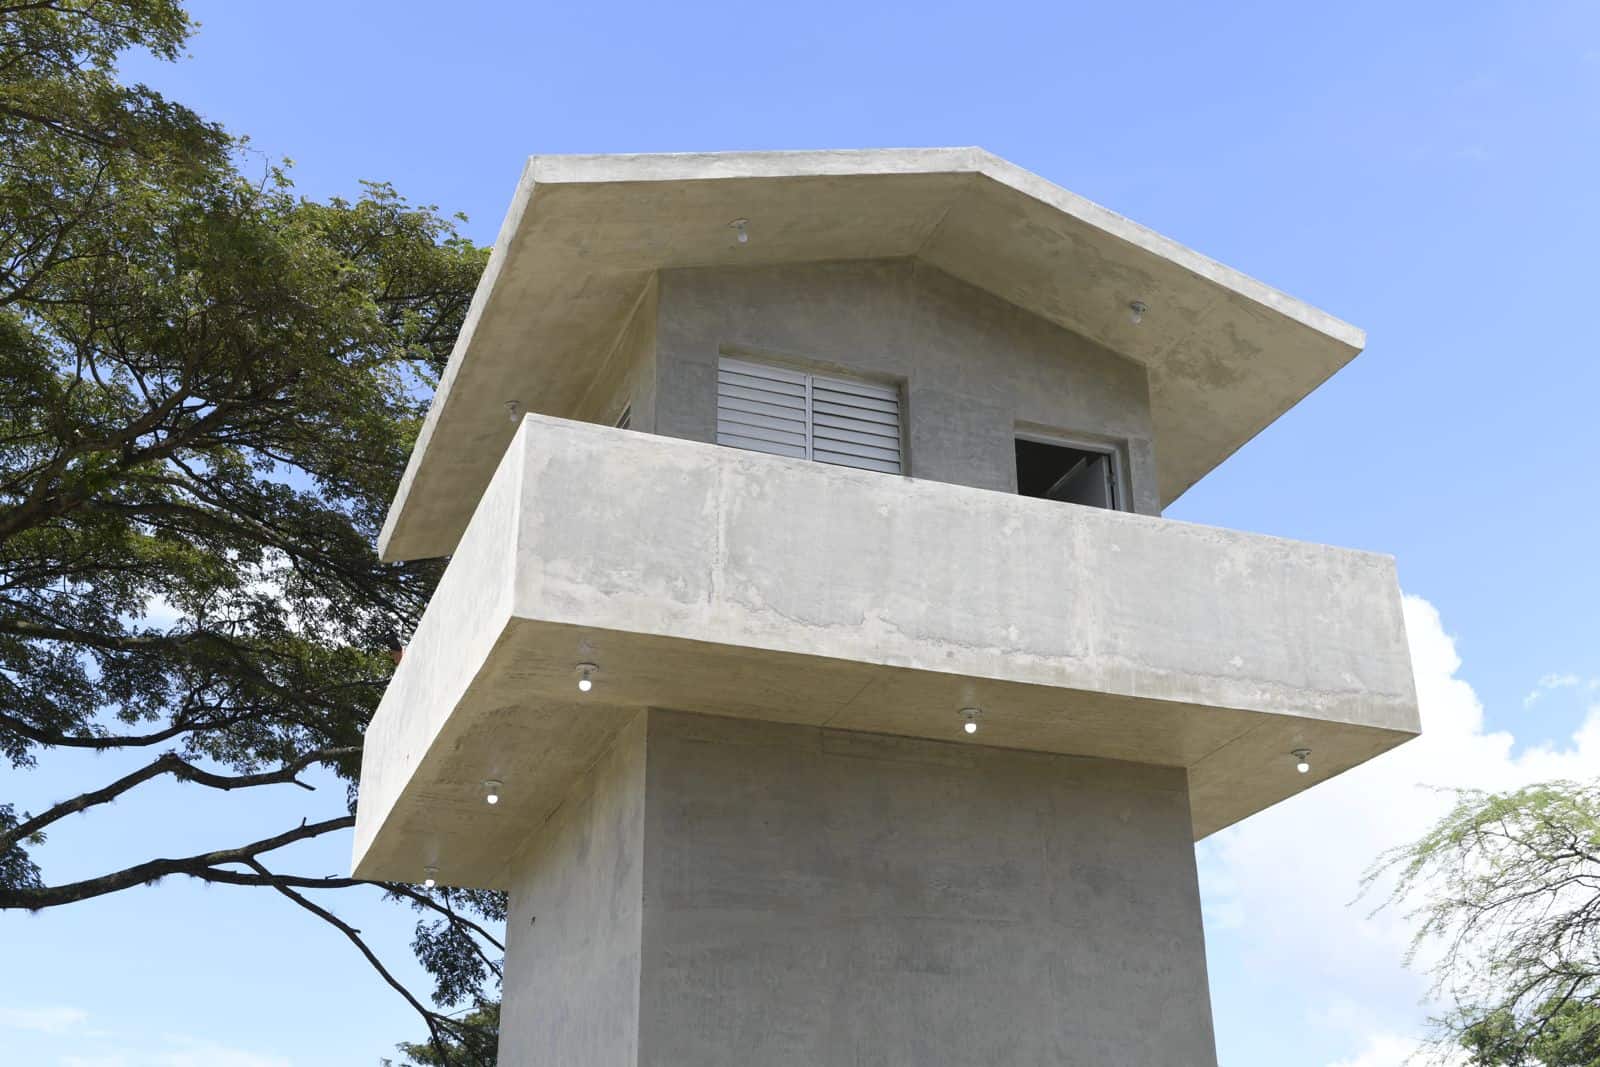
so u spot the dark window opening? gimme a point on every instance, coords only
(1063, 472)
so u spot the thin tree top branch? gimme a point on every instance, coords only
(424, 900)
(434, 1021)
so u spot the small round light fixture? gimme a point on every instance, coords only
(1136, 310)
(738, 226)
(969, 718)
(430, 877)
(491, 791)
(513, 410)
(586, 673)
(1302, 760)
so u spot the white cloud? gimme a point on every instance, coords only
(1397, 1050)
(192, 1052)
(50, 1019)
(100, 1049)
(1551, 682)
(1384, 1050)
(1283, 883)
(173, 1050)
(160, 613)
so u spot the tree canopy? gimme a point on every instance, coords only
(1506, 891)
(212, 386)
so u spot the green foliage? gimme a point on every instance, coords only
(1506, 889)
(448, 950)
(213, 384)
(1557, 1034)
(480, 1034)
(16, 869)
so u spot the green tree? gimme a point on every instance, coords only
(476, 1042)
(212, 385)
(1506, 891)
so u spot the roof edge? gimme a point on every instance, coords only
(499, 254)
(1144, 238)
(789, 163)
(585, 169)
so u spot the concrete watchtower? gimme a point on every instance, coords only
(812, 616)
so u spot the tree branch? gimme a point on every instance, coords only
(433, 1019)
(143, 873)
(110, 741)
(170, 763)
(398, 889)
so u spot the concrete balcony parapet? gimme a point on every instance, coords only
(706, 579)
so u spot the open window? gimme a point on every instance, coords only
(1073, 474)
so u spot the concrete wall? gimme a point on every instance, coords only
(817, 897)
(822, 898)
(976, 370)
(626, 377)
(464, 620)
(571, 992)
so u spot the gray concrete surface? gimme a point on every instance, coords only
(584, 237)
(572, 967)
(711, 579)
(974, 370)
(822, 898)
(807, 861)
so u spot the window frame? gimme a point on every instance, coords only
(1121, 486)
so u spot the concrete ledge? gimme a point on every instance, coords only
(713, 580)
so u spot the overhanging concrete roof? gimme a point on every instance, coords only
(1226, 354)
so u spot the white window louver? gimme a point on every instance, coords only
(808, 416)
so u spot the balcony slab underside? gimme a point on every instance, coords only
(706, 579)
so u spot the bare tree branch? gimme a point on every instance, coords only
(143, 873)
(399, 889)
(170, 763)
(109, 741)
(436, 1023)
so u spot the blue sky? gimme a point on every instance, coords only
(1426, 171)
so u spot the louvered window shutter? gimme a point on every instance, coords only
(808, 416)
(855, 424)
(763, 408)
